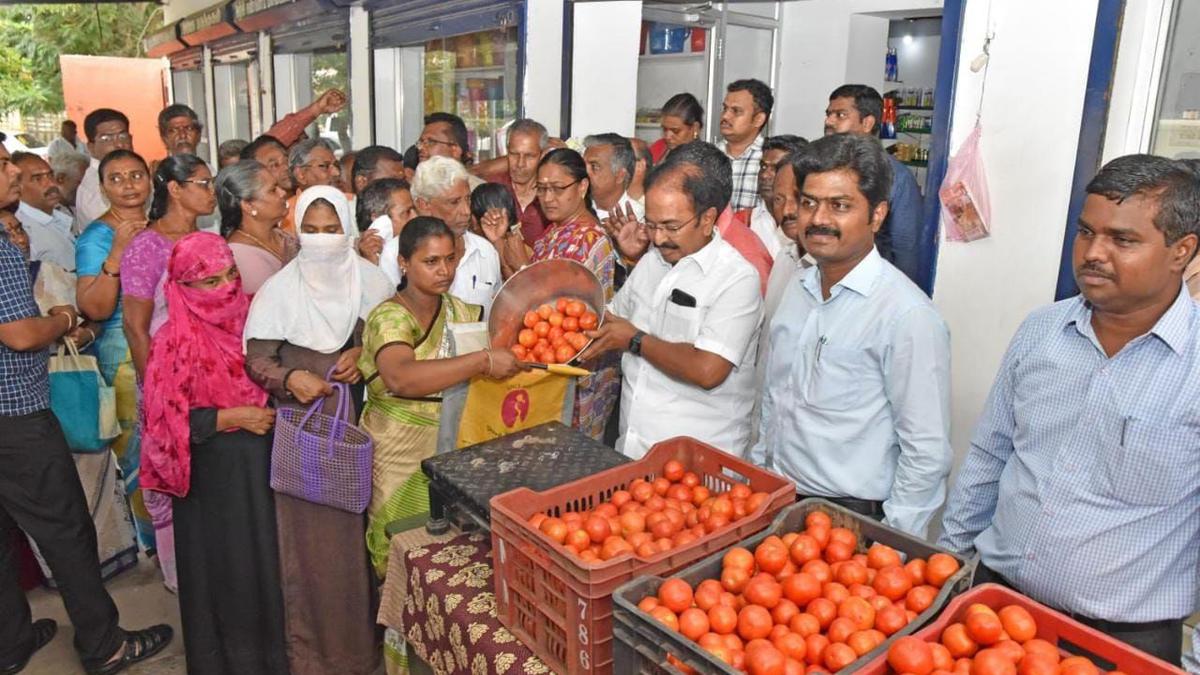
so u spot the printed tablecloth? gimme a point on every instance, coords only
(438, 598)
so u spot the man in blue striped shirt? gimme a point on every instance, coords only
(1082, 485)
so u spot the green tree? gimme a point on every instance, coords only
(33, 36)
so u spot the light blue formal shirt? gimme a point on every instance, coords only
(856, 401)
(1082, 484)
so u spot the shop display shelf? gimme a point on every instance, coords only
(561, 606)
(642, 644)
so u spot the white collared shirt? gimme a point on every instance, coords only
(90, 202)
(50, 236)
(725, 321)
(478, 276)
(763, 224)
(856, 401)
(639, 209)
(61, 146)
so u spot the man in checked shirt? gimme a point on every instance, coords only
(1081, 488)
(744, 116)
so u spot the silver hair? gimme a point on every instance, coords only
(528, 126)
(623, 156)
(436, 176)
(301, 151)
(235, 184)
(70, 163)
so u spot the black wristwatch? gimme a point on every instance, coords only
(635, 343)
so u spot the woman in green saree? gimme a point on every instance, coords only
(408, 360)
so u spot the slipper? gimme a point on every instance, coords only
(139, 646)
(43, 633)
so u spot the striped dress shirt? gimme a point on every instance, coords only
(1082, 483)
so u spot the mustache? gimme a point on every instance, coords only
(52, 191)
(667, 245)
(1093, 268)
(822, 229)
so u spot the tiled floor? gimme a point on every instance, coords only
(142, 601)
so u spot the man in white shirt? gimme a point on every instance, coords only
(856, 404)
(48, 226)
(688, 317)
(610, 165)
(439, 189)
(760, 218)
(67, 141)
(106, 130)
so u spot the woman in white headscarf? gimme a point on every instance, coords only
(305, 324)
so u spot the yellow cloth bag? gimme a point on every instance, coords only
(498, 408)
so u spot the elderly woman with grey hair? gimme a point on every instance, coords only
(310, 162)
(252, 205)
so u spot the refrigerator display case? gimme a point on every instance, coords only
(464, 58)
(700, 50)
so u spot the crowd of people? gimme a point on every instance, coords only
(762, 297)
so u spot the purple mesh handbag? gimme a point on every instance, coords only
(324, 459)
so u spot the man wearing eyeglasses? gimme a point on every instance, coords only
(444, 135)
(106, 130)
(49, 227)
(688, 317)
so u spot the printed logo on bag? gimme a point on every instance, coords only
(515, 407)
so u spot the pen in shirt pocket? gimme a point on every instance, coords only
(1124, 426)
(820, 344)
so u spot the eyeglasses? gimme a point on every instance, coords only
(206, 183)
(555, 190)
(426, 142)
(670, 229)
(182, 131)
(135, 176)
(123, 137)
(323, 166)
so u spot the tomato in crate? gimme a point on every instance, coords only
(554, 591)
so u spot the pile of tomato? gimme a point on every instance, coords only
(987, 642)
(650, 517)
(553, 333)
(804, 602)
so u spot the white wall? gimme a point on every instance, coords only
(918, 59)
(604, 65)
(542, 97)
(984, 289)
(821, 48)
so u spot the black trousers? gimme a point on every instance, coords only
(1163, 639)
(863, 507)
(40, 494)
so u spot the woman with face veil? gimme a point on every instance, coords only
(208, 446)
(305, 324)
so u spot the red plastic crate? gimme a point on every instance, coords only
(560, 606)
(1072, 637)
(643, 644)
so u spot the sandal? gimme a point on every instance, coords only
(43, 632)
(139, 646)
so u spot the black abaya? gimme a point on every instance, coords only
(227, 557)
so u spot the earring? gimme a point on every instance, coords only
(254, 213)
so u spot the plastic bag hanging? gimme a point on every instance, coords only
(966, 208)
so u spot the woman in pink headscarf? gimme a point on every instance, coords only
(208, 445)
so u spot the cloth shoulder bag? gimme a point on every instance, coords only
(86, 407)
(320, 458)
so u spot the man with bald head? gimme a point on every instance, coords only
(40, 213)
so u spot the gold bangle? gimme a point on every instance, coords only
(488, 353)
(105, 272)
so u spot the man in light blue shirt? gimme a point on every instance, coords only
(1082, 485)
(856, 403)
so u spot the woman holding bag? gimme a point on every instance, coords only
(208, 446)
(306, 321)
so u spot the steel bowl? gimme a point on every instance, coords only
(535, 285)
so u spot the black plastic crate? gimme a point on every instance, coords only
(461, 483)
(641, 644)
